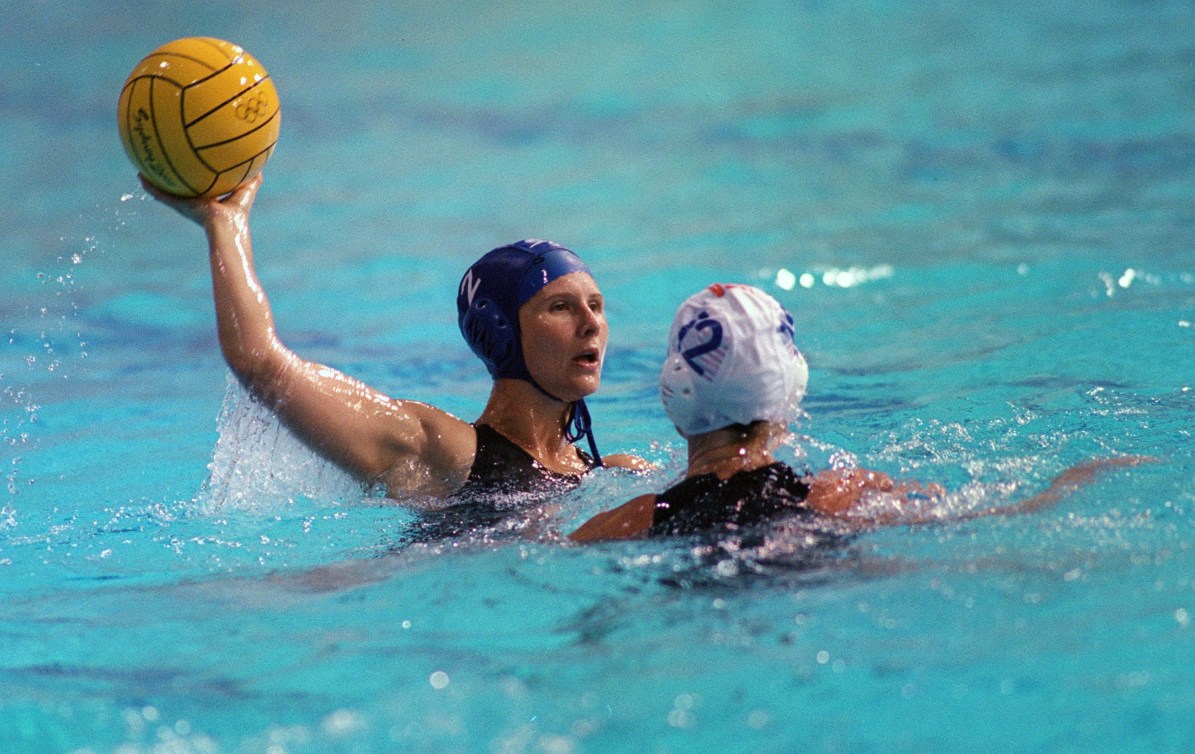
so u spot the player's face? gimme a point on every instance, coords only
(564, 336)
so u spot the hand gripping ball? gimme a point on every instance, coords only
(199, 117)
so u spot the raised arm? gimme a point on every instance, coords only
(406, 445)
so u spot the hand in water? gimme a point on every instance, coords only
(1072, 479)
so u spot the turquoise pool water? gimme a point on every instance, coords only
(981, 218)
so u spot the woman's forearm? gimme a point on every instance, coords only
(244, 320)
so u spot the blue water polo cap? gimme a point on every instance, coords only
(487, 310)
(493, 290)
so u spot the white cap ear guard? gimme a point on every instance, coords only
(731, 360)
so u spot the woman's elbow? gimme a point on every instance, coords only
(262, 369)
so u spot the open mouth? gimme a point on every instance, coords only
(588, 358)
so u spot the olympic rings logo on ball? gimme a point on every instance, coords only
(252, 109)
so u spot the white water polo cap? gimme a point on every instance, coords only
(731, 360)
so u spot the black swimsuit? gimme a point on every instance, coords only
(707, 503)
(500, 466)
(503, 480)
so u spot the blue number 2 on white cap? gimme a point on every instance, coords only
(786, 327)
(703, 322)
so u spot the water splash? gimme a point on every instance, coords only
(258, 464)
(43, 343)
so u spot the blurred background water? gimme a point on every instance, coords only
(979, 216)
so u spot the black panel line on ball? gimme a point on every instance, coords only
(249, 162)
(191, 142)
(197, 151)
(210, 76)
(245, 172)
(225, 102)
(128, 111)
(253, 130)
(158, 136)
(195, 60)
(212, 44)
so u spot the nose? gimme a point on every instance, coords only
(591, 321)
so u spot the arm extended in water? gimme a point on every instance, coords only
(405, 445)
(843, 494)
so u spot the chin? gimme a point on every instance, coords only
(575, 391)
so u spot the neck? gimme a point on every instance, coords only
(725, 452)
(534, 421)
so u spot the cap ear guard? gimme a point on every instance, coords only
(489, 334)
(677, 392)
(494, 288)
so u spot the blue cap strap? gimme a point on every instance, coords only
(579, 425)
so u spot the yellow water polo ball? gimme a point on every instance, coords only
(199, 117)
